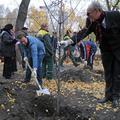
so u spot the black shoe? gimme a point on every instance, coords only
(104, 100)
(115, 103)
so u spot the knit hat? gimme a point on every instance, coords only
(8, 26)
(44, 25)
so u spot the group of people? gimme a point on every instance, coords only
(106, 27)
(38, 51)
(86, 50)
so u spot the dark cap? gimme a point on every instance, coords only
(8, 26)
(44, 25)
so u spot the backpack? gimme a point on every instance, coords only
(49, 51)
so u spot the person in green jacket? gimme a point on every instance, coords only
(68, 51)
(47, 67)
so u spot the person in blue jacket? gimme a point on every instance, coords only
(34, 51)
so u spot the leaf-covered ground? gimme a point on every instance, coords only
(80, 89)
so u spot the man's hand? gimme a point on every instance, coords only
(25, 59)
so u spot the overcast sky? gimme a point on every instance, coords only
(37, 3)
(81, 8)
(15, 3)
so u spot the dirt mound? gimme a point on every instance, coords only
(44, 105)
(70, 113)
(85, 75)
(44, 108)
(78, 100)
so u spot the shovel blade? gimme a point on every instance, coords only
(43, 91)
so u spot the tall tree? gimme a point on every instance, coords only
(116, 5)
(22, 14)
(108, 5)
(112, 5)
(37, 17)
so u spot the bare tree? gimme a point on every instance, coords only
(112, 5)
(22, 14)
(115, 6)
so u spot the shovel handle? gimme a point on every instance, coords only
(26, 61)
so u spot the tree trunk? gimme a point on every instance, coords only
(108, 5)
(22, 14)
(113, 6)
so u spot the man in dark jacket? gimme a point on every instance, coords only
(106, 26)
(47, 67)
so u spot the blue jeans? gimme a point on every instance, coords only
(39, 68)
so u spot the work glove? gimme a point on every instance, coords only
(25, 59)
(34, 72)
(66, 43)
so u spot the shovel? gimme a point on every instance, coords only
(41, 90)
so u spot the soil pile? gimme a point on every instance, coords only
(78, 99)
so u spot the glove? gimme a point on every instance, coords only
(25, 59)
(34, 72)
(66, 43)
